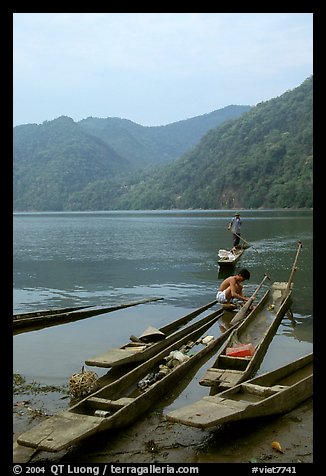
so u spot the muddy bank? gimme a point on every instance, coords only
(154, 440)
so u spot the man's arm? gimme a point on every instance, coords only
(234, 293)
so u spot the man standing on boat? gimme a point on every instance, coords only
(235, 227)
(231, 288)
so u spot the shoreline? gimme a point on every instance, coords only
(152, 439)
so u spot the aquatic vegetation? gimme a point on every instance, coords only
(21, 386)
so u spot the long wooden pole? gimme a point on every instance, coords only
(240, 238)
(289, 312)
(243, 311)
(293, 270)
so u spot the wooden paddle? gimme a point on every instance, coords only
(243, 311)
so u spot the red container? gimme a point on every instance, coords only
(244, 350)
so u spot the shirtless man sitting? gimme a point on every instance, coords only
(231, 288)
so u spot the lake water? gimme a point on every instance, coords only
(104, 258)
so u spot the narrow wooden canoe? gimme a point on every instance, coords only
(121, 402)
(45, 312)
(40, 319)
(271, 393)
(258, 329)
(134, 352)
(230, 259)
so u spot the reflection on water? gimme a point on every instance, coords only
(301, 331)
(104, 258)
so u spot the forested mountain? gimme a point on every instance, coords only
(57, 158)
(263, 159)
(161, 144)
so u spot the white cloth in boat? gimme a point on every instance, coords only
(227, 255)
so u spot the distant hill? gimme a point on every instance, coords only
(58, 158)
(144, 146)
(262, 159)
(55, 159)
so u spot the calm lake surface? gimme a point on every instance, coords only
(104, 258)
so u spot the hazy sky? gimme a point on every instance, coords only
(154, 68)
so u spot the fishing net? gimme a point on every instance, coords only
(82, 383)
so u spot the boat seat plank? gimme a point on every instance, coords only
(205, 412)
(229, 379)
(216, 400)
(214, 370)
(111, 356)
(59, 431)
(231, 359)
(215, 376)
(105, 404)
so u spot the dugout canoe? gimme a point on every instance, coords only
(271, 393)
(142, 348)
(227, 259)
(45, 312)
(242, 354)
(253, 336)
(123, 401)
(39, 319)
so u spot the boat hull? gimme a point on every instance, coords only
(41, 319)
(226, 263)
(79, 422)
(134, 353)
(272, 393)
(258, 329)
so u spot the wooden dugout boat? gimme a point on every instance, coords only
(271, 393)
(230, 259)
(134, 352)
(121, 402)
(39, 319)
(45, 312)
(258, 329)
